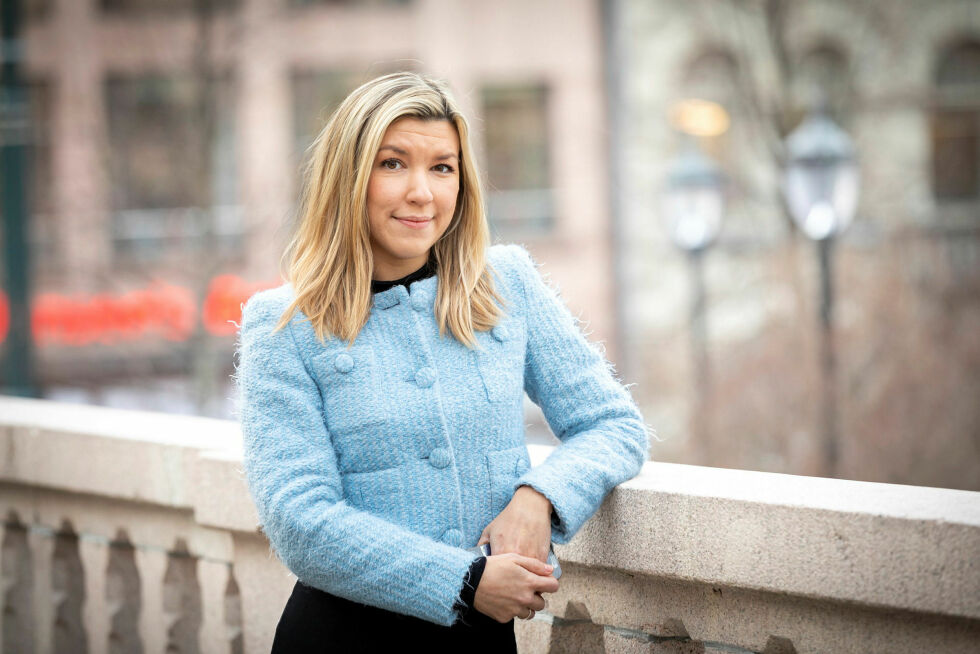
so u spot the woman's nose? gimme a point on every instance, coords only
(418, 190)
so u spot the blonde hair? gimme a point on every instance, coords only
(330, 257)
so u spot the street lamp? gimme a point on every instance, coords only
(821, 178)
(820, 184)
(692, 213)
(694, 202)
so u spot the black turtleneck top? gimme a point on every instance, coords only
(475, 573)
(428, 270)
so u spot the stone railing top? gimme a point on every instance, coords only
(884, 545)
(147, 426)
(137, 455)
(827, 494)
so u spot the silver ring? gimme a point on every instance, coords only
(530, 614)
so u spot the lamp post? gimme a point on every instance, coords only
(820, 184)
(693, 210)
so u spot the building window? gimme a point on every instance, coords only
(348, 3)
(713, 75)
(35, 10)
(169, 6)
(516, 137)
(316, 94)
(172, 165)
(956, 125)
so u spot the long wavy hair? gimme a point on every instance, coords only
(330, 261)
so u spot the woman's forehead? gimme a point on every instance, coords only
(413, 133)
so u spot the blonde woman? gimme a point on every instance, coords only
(382, 396)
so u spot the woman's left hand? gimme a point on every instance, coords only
(523, 527)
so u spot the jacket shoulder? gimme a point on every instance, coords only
(267, 305)
(511, 262)
(507, 254)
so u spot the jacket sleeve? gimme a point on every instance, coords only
(292, 474)
(604, 440)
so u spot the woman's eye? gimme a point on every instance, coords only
(444, 168)
(391, 164)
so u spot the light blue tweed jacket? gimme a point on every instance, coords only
(374, 468)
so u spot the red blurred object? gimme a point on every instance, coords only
(159, 310)
(173, 311)
(222, 313)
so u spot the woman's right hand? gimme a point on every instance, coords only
(511, 585)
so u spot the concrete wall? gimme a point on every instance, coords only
(136, 528)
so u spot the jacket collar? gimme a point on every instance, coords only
(422, 291)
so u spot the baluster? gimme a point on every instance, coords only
(17, 584)
(233, 614)
(68, 592)
(123, 599)
(182, 601)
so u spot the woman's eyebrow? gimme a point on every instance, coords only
(397, 150)
(393, 148)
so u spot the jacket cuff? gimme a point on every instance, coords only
(569, 512)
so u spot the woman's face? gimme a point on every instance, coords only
(411, 194)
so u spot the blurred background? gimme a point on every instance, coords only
(766, 212)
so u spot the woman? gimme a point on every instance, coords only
(382, 396)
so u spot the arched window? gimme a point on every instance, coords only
(956, 125)
(713, 76)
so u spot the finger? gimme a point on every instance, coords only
(545, 584)
(537, 604)
(484, 538)
(533, 565)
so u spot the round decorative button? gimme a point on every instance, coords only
(453, 537)
(420, 302)
(500, 333)
(425, 377)
(439, 457)
(343, 363)
(386, 299)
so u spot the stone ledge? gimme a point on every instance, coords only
(885, 545)
(865, 544)
(134, 455)
(221, 498)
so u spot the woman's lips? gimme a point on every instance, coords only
(413, 224)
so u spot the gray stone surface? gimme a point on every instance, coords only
(886, 545)
(680, 559)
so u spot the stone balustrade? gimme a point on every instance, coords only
(130, 532)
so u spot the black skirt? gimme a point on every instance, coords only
(315, 622)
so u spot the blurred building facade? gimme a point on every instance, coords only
(169, 143)
(170, 139)
(903, 78)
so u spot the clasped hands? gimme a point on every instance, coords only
(516, 573)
